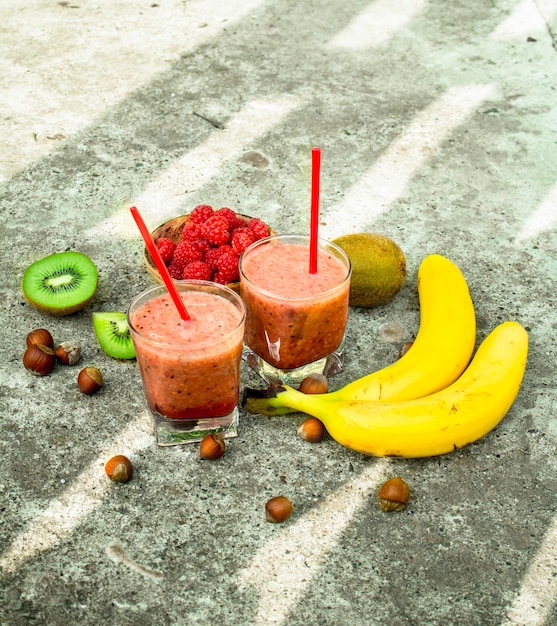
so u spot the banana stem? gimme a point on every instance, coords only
(279, 400)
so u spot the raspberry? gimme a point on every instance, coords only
(239, 222)
(176, 270)
(213, 254)
(166, 248)
(215, 230)
(186, 252)
(191, 231)
(218, 278)
(202, 245)
(227, 268)
(241, 239)
(258, 228)
(201, 213)
(228, 215)
(197, 270)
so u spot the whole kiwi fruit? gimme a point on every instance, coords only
(378, 268)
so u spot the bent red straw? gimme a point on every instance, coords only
(157, 259)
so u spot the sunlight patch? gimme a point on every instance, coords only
(388, 177)
(538, 592)
(285, 566)
(377, 24)
(527, 18)
(541, 220)
(164, 197)
(82, 497)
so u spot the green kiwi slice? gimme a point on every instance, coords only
(113, 334)
(61, 283)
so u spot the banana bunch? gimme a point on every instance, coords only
(440, 353)
(428, 425)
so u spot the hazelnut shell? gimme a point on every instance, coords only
(119, 469)
(68, 353)
(40, 336)
(311, 430)
(394, 494)
(39, 359)
(89, 380)
(278, 509)
(314, 383)
(212, 447)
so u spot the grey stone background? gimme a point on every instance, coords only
(437, 123)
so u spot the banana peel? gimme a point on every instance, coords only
(436, 424)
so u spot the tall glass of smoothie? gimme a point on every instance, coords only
(190, 369)
(295, 320)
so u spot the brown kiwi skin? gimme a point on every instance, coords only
(59, 312)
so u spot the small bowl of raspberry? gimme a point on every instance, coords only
(206, 244)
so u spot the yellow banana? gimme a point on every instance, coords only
(441, 422)
(440, 353)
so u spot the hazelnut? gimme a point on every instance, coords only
(89, 380)
(311, 430)
(119, 469)
(394, 494)
(68, 353)
(40, 336)
(314, 383)
(404, 348)
(39, 359)
(212, 447)
(278, 509)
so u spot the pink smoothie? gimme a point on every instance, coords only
(293, 317)
(189, 369)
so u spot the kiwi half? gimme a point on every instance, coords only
(113, 334)
(61, 283)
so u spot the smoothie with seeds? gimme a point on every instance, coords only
(294, 317)
(190, 369)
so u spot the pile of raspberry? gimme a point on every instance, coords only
(211, 245)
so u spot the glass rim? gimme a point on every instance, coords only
(306, 238)
(210, 287)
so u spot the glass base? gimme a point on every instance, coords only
(328, 365)
(173, 432)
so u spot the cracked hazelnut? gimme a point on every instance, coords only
(212, 447)
(394, 494)
(119, 469)
(40, 336)
(68, 353)
(278, 509)
(89, 380)
(39, 359)
(311, 430)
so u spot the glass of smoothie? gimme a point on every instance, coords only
(295, 320)
(190, 369)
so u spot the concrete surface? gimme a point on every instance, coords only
(438, 126)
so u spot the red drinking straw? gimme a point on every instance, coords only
(314, 215)
(163, 270)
